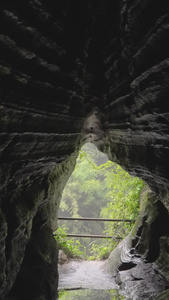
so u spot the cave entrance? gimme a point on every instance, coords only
(98, 188)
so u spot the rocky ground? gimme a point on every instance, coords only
(137, 283)
(85, 274)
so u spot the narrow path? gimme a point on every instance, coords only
(86, 275)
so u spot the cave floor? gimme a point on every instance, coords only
(86, 280)
(90, 280)
(85, 275)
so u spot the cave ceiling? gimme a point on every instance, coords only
(71, 72)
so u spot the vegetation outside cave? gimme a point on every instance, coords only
(98, 188)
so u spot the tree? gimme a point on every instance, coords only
(100, 188)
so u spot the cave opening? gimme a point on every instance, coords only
(99, 206)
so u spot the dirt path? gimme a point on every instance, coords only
(85, 274)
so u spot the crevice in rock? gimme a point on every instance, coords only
(159, 228)
(126, 266)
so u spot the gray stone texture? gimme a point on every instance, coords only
(74, 71)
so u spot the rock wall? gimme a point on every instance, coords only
(76, 71)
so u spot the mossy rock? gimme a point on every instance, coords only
(163, 296)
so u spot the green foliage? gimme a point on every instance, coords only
(101, 251)
(70, 247)
(99, 188)
(123, 200)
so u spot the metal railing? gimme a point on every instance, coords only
(94, 219)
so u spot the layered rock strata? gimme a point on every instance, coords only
(71, 72)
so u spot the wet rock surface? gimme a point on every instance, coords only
(76, 71)
(141, 282)
(62, 258)
(134, 261)
(85, 274)
(136, 280)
